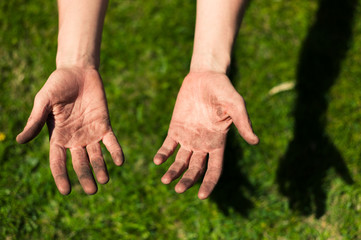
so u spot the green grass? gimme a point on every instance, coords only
(146, 51)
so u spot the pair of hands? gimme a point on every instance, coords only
(73, 104)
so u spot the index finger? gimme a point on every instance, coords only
(165, 151)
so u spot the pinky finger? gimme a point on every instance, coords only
(111, 143)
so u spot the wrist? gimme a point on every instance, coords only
(76, 59)
(210, 62)
(80, 30)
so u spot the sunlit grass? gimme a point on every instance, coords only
(146, 51)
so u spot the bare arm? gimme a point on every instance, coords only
(72, 101)
(217, 24)
(207, 103)
(80, 31)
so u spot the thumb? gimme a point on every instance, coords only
(240, 118)
(36, 121)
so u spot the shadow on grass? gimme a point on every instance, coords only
(302, 171)
(233, 188)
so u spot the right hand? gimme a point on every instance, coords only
(206, 106)
(73, 104)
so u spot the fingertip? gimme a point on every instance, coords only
(180, 188)
(23, 137)
(65, 193)
(249, 136)
(165, 180)
(254, 140)
(90, 190)
(118, 158)
(30, 131)
(157, 162)
(19, 139)
(118, 163)
(103, 180)
(62, 183)
(202, 195)
(158, 159)
(64, 190)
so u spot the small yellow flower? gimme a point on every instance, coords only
(2, 136)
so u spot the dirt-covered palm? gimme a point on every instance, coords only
(73, 104)
(206, 106)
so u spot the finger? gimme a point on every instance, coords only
(165, 151)
(82, 169)
(111, 143)
(214, 170)
(178, 167)
(57, 157)
(239, 115)
(36, 121)
(195, 170)
(97, 161)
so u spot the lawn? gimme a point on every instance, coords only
(301, 182)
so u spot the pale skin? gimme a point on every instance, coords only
(72, 101)
(207, 103)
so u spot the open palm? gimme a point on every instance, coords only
(206, 106)
(73, 104)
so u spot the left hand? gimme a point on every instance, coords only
(206, 106)
(73, 104)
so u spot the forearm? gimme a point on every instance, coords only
(80, 30)
(217, 25)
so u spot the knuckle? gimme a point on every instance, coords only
(195, 169)
(97, 165)
(86, 175)
(92, 148)
(57, 165)
(116, 154)
(96, 160)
